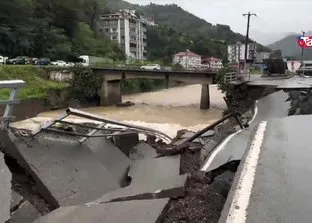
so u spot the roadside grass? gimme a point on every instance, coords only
(36, 86)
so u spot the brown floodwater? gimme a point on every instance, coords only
(167, 110)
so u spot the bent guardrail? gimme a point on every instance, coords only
(14, 85)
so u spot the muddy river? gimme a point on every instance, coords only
(166, 110)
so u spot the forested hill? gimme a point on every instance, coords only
(56, 29)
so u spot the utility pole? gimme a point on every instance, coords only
(302, 49)
(247, 38)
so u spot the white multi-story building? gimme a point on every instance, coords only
(236, 52)
(213, 63)
(128, 30)
(260, 56)
(187, 59)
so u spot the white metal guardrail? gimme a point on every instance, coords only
(230, 77)
(14, 85)
(236, 77)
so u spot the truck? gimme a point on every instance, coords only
(91, 61)
(274, 66)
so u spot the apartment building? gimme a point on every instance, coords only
(187, 59)
(213, 63)
(128, 30)
(236, 52)
(260, 56)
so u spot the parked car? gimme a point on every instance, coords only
(11, 61)
(19, 60)
(35, 61)
(44, 61)
(23, 60)
(151, 67)
(59, 63)
(2, 60)
(70, 64)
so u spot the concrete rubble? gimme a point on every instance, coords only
(147, 211)
(25, 213)
(142, 151)
(16, 200)
(65, 171)
(116, 162)
(172, 188)
(142, 171)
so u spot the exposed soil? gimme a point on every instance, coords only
(205, 196)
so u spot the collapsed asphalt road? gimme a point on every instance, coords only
(121, 178)
(233, 148)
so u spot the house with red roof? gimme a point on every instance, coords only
(213, 62)
(187, 59)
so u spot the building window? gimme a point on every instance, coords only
(114, 30)
(107, 30)
(114, 37)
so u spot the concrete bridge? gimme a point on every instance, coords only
(110, 92)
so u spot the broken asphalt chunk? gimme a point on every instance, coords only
(147, 211)
(16, 200)
(142, 151)
(65, 171)
(26, 213)
(126, 141)
(5, 190)
(115, 161)
(172, 187)
(142, 171)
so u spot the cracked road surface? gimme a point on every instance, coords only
(233, 148)
(273, 182)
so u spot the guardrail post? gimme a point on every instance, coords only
(7, 115)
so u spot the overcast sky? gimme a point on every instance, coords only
(275, 18)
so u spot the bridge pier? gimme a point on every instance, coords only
(110, 92)
(205, 97)
(167, 81)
